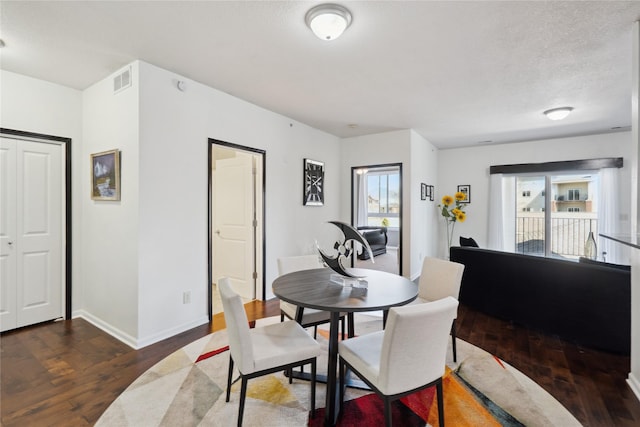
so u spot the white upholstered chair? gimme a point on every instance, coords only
(407, 356)
(310, 317)
(263, 350)
(440, 279)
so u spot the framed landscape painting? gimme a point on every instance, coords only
(105, 175)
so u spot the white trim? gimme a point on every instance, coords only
(634, 383)
(132, 342)
(152, 339)
(100, 324)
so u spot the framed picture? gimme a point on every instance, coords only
(105, 175)
(466, 189)
(423, 191)
(313, 191)
(430, 192)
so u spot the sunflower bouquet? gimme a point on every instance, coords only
(452, 212)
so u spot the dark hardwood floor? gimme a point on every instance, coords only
(67, 373)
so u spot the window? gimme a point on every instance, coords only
(383, 198)
(558, 225)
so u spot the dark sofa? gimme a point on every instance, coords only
(585, 303)
(377, 239)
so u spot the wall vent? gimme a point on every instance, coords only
(122, 80)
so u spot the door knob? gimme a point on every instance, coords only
(218, 232)
(10, 243)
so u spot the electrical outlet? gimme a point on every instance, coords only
(186, 297)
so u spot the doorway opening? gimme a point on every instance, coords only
(236, 221)
(376, 211)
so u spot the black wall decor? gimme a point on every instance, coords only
(313, 190)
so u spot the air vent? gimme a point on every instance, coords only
(122, 80)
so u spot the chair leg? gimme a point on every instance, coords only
(315, 332)
(281, 317)
(313, 388)
(387, 411)
(351, 325)
(344, 319)
(229, 377)
(453, 340)
(440, 403)
(290, 375)
(341, 375)
(243, 395)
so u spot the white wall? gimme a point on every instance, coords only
(133, 258)
(32, 105)
(424, 229)
(417, 156)
(109, 229)
(174, 131)
(471, 166)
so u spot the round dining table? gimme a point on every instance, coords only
(315, 289)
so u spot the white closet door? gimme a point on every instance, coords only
(32, 248)
(8, 275)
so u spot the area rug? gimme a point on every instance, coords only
(187, 388)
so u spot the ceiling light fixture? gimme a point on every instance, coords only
(558, 113)
(328, 21)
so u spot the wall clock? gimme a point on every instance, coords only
(313, 183)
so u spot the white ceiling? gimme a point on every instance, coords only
(456, 72)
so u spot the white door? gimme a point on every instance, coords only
(31, 226)
(233, 219)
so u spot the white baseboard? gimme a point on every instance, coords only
(634, 383)
(152, 339)
(106, 327)
(137, 343)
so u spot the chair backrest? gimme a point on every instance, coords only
(439, 279)
(414, 347)
(298, 263)
(237, 327)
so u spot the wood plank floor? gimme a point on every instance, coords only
(68, 373)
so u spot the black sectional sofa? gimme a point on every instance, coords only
(377, 239)
(585, 303)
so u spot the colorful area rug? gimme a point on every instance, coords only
(188, 388)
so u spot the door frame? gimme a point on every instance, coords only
(67, 250)
(400, 214)
(263, 155)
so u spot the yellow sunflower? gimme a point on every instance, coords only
(461, 216)
(447, 200)
(460, 196)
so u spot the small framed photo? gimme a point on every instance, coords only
(466, 190)
(105, 175)
(313, 183)
(423, 191)
(430, 192)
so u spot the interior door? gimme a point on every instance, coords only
(234, 219)
(31, 232)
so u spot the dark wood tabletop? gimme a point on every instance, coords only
(314, 289)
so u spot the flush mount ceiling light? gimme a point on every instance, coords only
(328, 21)
(558, 113)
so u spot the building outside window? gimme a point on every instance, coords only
(565, 218)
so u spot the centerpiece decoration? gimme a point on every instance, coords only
(452, 211)
(344, 247)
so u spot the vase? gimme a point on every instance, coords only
(590, 247)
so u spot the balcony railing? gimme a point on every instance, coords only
(568, 235)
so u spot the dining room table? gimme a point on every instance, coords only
(321, 289)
